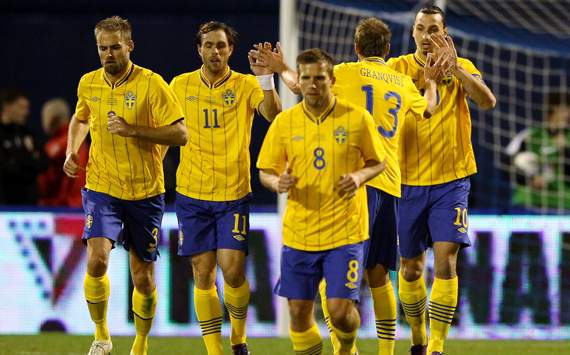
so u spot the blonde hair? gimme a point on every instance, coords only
(115, 24)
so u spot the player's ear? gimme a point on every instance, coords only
(199, 48)
(231, 50)
(131, 45)
(333, 79)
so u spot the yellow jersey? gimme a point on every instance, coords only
(215, 164)
(437, 150)
(125, 167)
(319, 150)
(389, 96)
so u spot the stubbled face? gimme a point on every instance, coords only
(425, 26)
(215, 51)
(114, 51)
(316, 82)
(17, 112)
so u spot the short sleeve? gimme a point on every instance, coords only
(164, 105)
(469, 67)
(255, 94)
(272, 155)
(82, 110)
(371, 145)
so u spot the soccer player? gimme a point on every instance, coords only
(130, 113)
(321, 151)
(213, 178)
(436, 160)
(389, 96)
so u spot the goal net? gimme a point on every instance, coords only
(521, 47)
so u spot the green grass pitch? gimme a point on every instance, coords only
(75, 345)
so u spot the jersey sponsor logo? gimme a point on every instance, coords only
(350, 285)
(229, 97)
(88, 221)
(180, 236)
(340, 135)
(130, 100)
(239, 237)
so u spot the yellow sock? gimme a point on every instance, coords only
(442, 303)
(144, 307)
(413, 299)
(236, 300)
(209, 313)
(323, 293)
(97, 292)
(347, 340)
(308, 342)
(385, 313)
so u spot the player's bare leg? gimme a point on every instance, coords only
(144, 300)
(97, 289)
(444, 292)
(345, 322)
(413, 295)
(206, 301)
(236, 296)
(384, 301)
(304, 332)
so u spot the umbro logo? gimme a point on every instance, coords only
(95, 98)
(297, 138)
(239, 237)
(192, 98)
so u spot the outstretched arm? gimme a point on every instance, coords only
(271, 104)
(275, 62)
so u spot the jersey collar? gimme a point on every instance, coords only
(326, 112)
(374, 59)
(123, 79)
(218, 82)
(418, 60)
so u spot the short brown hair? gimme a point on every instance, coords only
(316, 55)
(210, 26)
(372, 37)
(115, 24)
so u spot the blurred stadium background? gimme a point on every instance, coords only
(515, 280)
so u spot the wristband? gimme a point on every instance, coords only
(266, 82)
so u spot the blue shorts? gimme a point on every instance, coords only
(432, 214)
(382, 246)
(302, 271)
(132, 223)
(211, 225)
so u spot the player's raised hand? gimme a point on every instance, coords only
(435, 69)
(117, 125)
(444, 46)
(256, 59)
(271, 58)
(71, 165)
(286, 181)
(348, 185)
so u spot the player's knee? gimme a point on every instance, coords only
(340, 315)
(446, 268)
(144, 282)
(204, 277)
(234, 276)
(300, 317)
(97, 263)
(411, 269)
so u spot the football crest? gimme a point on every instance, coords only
(229, 97)
(130, 99)
(340, 135)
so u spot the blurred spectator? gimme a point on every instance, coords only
(54, 187)
(542, 156)
(20, 158)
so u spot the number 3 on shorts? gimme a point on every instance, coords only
(352, 274)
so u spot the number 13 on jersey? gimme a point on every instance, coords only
(369, 90)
